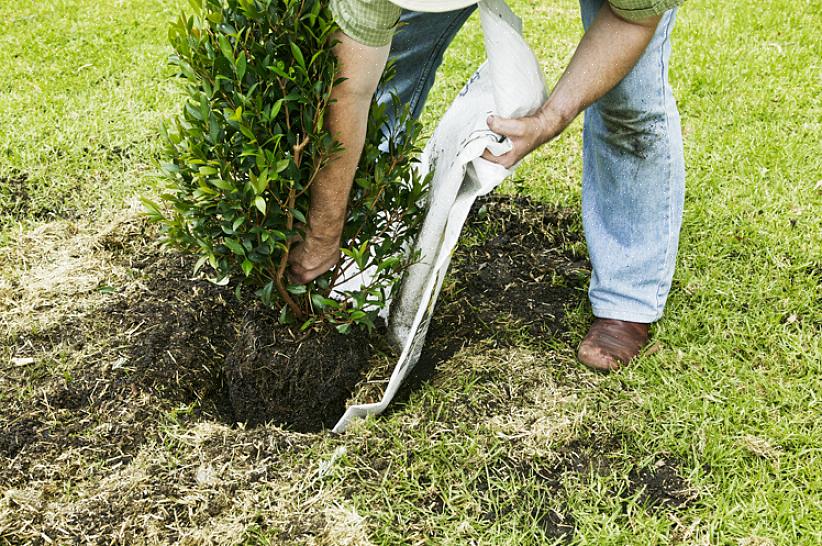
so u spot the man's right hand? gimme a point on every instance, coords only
(313, 256)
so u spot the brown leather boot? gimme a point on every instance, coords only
(612, 343)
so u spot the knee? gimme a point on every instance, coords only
(632, 126)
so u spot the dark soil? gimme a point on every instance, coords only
(196, 342)
(191, 341)
(176, 332)
(515, 276)
(171, 341)
(15, 199)
(658, 488)
(303, 383)
(172, 347)
(20, 197)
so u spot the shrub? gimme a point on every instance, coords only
(249, 142)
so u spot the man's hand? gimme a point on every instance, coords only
(313, 256)
(526, 134)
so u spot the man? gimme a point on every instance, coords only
(633, 169)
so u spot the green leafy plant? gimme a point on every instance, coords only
(242, 155)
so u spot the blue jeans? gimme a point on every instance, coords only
(633, 179)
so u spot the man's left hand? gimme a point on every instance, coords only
(526, 134)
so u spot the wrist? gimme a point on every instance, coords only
(327, 233)
(553, 120)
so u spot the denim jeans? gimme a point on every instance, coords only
(633, 179)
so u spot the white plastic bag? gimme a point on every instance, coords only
(509, 84)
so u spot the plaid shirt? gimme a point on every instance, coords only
(372, 22)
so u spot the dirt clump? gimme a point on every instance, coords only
(191, 341)
(303, 382)
(15, 199)
(660, 486)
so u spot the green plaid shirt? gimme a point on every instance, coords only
(372, 22)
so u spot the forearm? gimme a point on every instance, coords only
(347, 119)
(607, 53)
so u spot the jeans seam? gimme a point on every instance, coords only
(436, 52)
(669, 201)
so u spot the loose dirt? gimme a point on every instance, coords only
(165, 340)
(129, 390)
(514, 277)
(194, 342)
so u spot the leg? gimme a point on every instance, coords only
(633, 190)
(416, 53)
(633, 186)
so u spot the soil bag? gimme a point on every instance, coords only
(508, 84)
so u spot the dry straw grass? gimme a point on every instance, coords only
(174, 479)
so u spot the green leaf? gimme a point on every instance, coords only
(152, 209)
(225, 48)
(298, 55)
(240, 65)
(259, 202)
(278, 70)
(234, 246)
(265, 292)
(276, 109)
(318, 301)
(170, 168)
(200, 263)
(388, 263)
(297, 289)
(247, 266)
(284, 318)
(248, 133)
(298, 216)
(222, 184)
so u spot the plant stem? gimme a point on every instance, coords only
(280, 273)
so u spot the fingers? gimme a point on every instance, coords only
(511, 129)
(524, 134)
(507, 160)
(506, 127)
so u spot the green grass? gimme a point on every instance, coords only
(84, 88)
(732, 396)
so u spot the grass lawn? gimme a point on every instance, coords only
(715, 438)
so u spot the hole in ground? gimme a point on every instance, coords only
(193, 341)
(186, 341)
